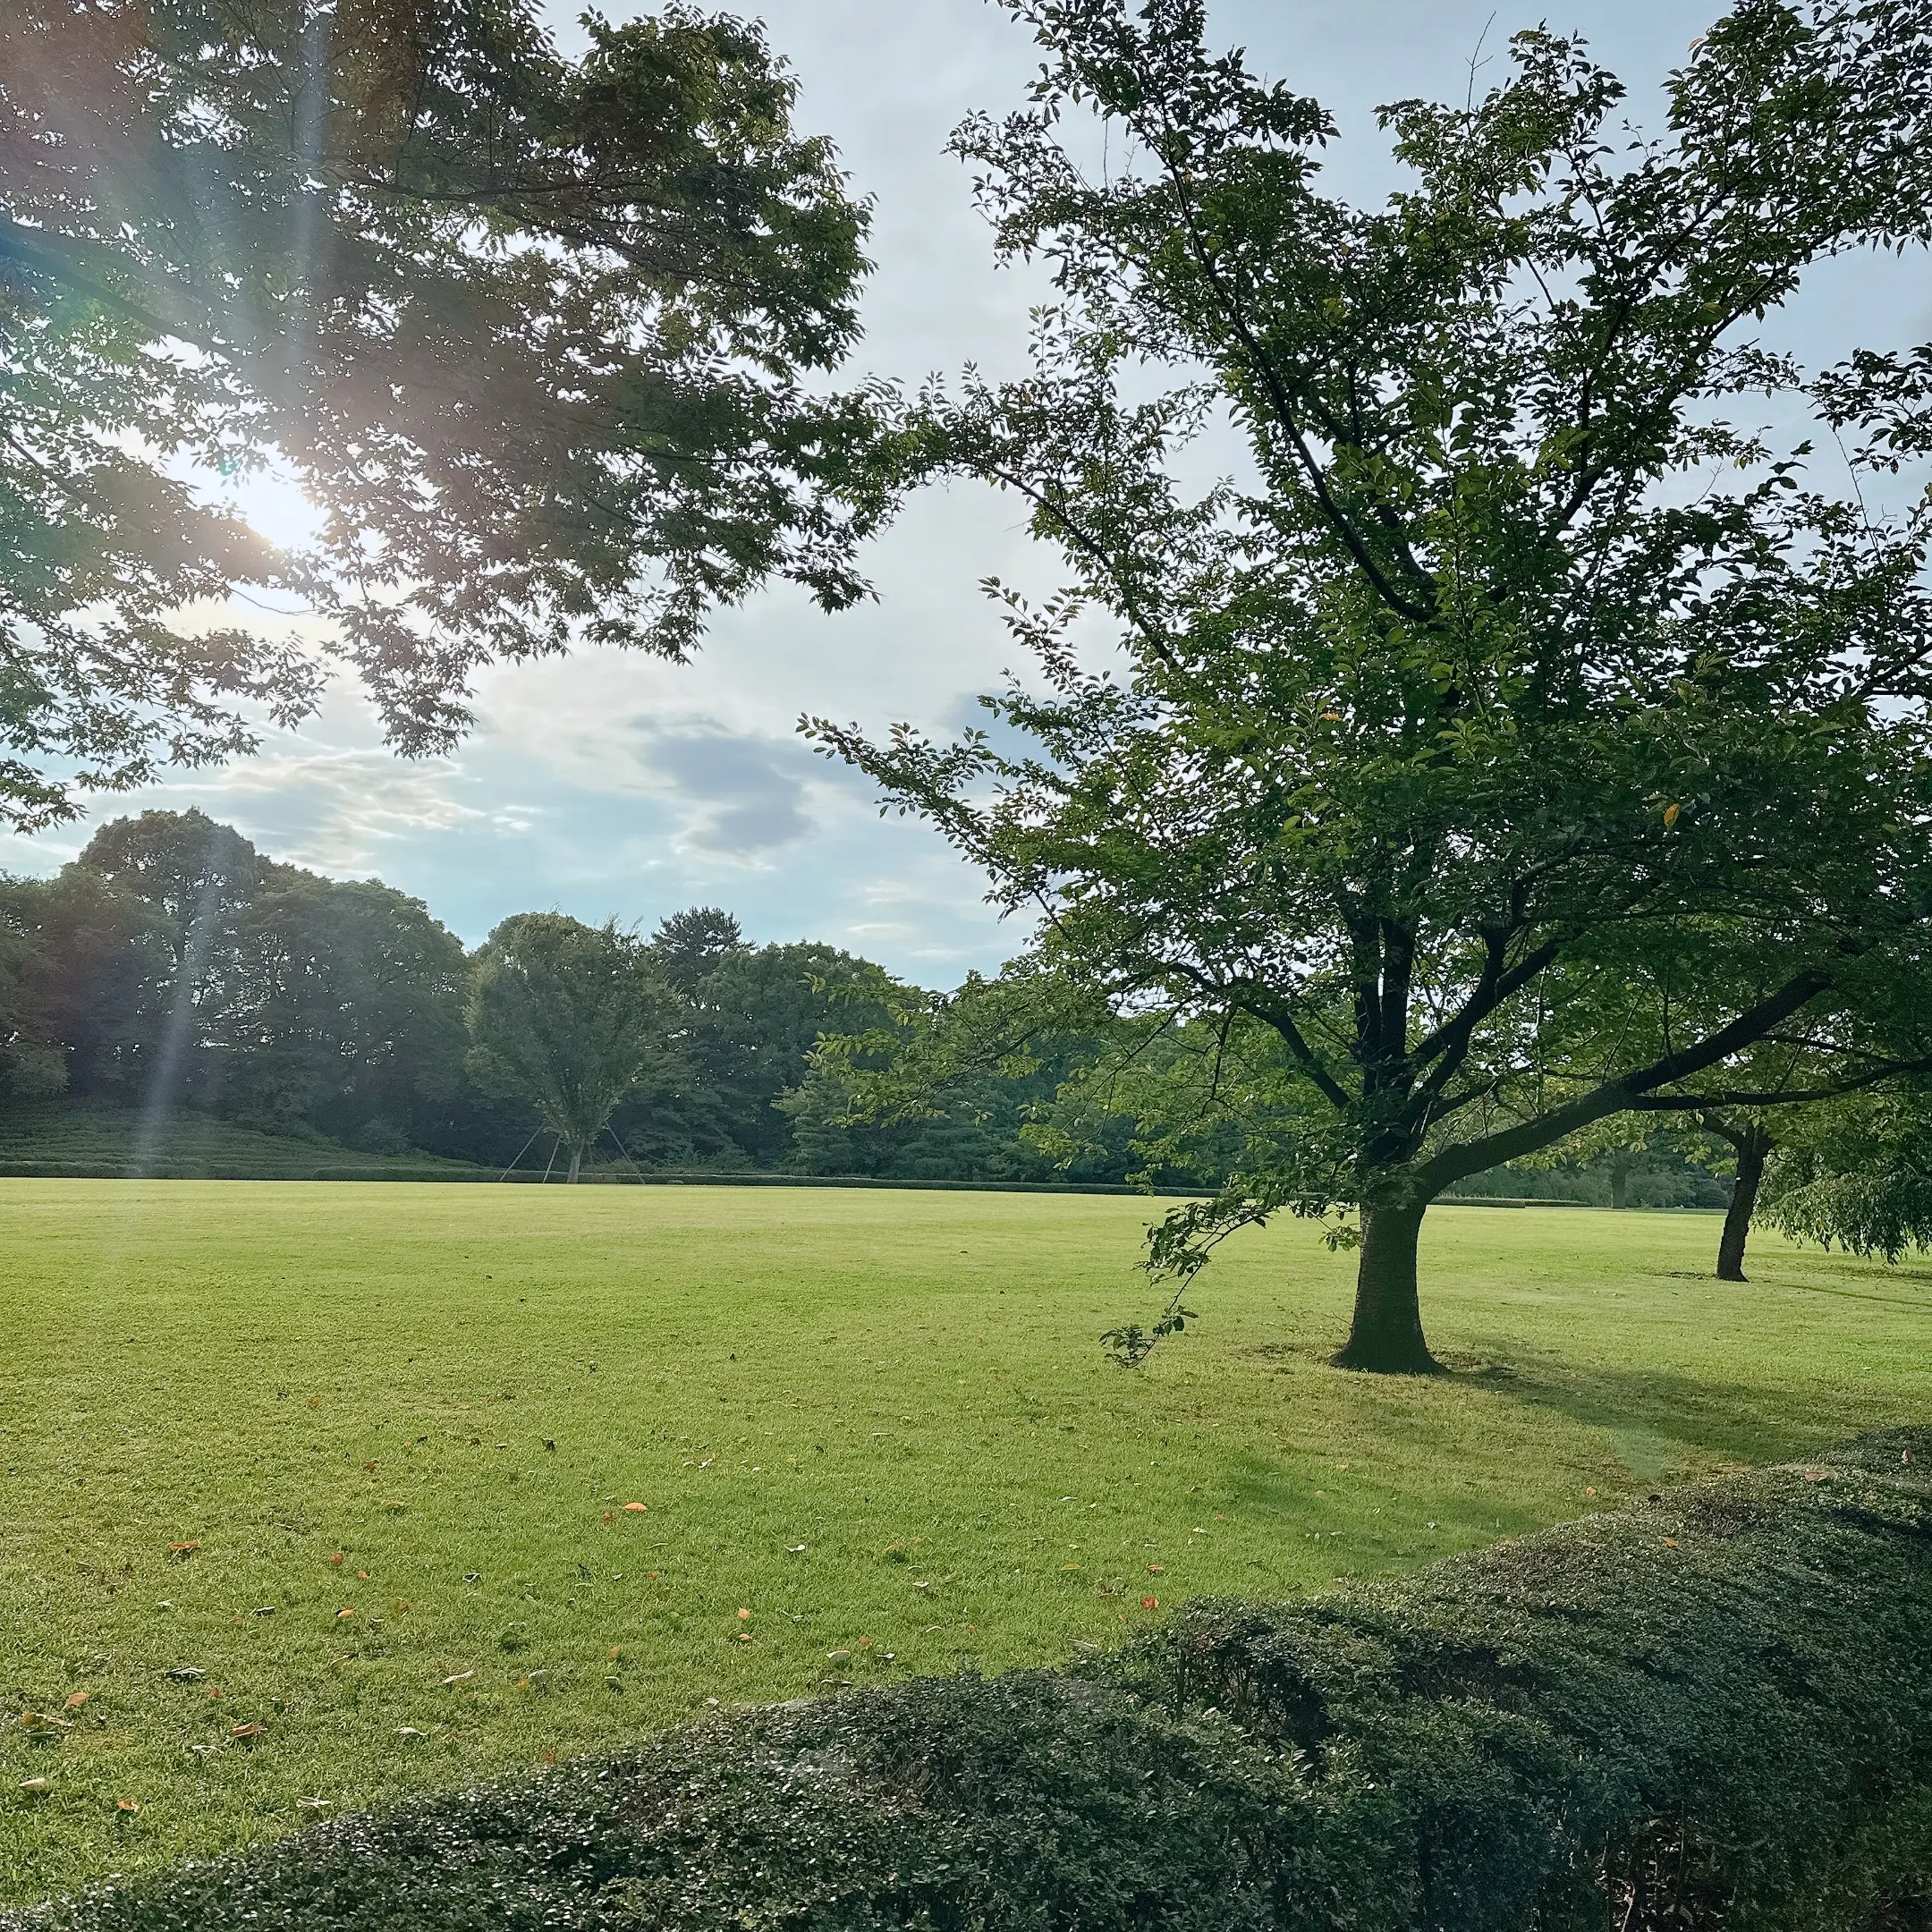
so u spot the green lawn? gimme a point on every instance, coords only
(879, 1422)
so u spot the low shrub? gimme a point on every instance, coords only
(1713, 1710)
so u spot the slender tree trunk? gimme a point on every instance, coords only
(1387, 1337)
(576, 1164)
(1752, 1147)
(1620, 1174)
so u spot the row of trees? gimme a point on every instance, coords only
(174, 967)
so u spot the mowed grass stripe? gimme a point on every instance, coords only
(878, 1423)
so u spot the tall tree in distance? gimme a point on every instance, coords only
(173, 966)
(1513, 676)
(689, 946)
(543, 342)
(190, 876)
(567, 1018)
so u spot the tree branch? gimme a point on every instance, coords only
(1618, 1096)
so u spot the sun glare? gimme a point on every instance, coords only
(274, 506)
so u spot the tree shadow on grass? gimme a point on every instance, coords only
(1921, 1304)
(1659, 1419)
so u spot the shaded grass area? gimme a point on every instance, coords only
(878, 1424)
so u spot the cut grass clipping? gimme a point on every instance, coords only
(880, 1424)
(1714, 1710)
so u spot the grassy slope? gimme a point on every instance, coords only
(56, 1138)
(906, 1385)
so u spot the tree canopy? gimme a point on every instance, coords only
(174, 967)
(1516, 736)
(565, 1017)
(542, 340)
(1857, 1175)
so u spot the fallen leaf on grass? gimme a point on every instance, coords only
(1670, 1542)
(38, 1786)
(1155, 1569)
(76, 1699)
(182, 1549)
(348, 1610)
(637, 1505)
(743, 1613)
(1150, 1602)
(247, 1731)
(337, 1559)
(126, 1806)
(455, 1677)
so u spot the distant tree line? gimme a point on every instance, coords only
(173, 966)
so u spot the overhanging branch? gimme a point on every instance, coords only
(1619, 1096)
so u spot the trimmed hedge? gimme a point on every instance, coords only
(1714, 1710)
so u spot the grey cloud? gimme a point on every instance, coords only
(748, 794)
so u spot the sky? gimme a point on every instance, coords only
(614, 785)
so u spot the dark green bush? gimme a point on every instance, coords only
(1714, 1710)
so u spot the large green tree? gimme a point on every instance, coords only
(1510, 667)
(567, 1018)
(174, 966)
(542, 340)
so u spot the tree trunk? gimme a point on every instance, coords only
(1386, 1336)
(1620, 1177)
(576, 1164)
(1752, 1147)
